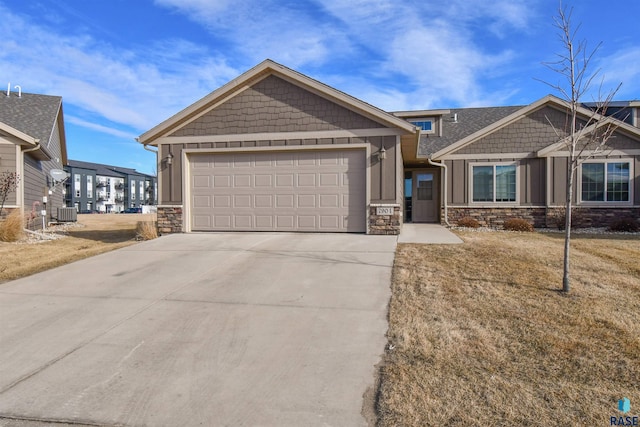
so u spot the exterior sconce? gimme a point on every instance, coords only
(382, 154)
(169, 159)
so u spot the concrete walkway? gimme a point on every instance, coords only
(216, 329)
(427, 234)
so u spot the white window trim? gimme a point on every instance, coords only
(424, 119)
(629, 202)
(493, 204)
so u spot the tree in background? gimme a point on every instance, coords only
(585, 135)
(8, 183)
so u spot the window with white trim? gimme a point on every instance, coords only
(133, 190)
(425, 125)
(495, 183)
(76, 184)
(607, 181)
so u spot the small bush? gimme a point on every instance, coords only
(625, 224)
(468, 222)
(12, 227)
(560, 217)
(146, 230)
(518, 224)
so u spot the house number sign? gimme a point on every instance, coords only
(384, 210)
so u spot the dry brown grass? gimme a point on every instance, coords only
(11, 228)
(146, 230)
(482, 337)
(97, 234)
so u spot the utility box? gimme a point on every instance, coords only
(67, 215)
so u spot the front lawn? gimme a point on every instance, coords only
(480, 335)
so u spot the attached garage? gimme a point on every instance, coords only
(275, 150)
(303, 190)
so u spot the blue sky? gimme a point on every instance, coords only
(123, 66)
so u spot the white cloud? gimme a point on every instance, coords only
(622, 67)
(136, 89)
(260, 29)
(100, 128)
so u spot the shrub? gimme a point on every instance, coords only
(625, 224)
(146, 230)
(468, 222)
(11, 229)
(560, 217)
(518, 224)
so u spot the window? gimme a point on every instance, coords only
(425, 125)
(89, 186)
(494, 183)
(141, 194)
(76, 184)
(607, 181)
(133, 190)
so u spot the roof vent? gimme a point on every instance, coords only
(15, 87)
(454, 118)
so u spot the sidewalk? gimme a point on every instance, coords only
(427, 234)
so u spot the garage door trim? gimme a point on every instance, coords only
(188, 154)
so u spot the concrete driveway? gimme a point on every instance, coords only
(217, 329)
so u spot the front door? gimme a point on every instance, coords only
(425, 196)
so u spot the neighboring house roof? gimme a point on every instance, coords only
(34, 115)
(266, 68)
(22, 137)
(106, 170)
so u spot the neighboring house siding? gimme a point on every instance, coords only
(34, 182)
(275, 105)
(8, 164)
(171, 193)
(529, 134)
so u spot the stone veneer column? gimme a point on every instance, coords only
(169, 219)
(381, 222)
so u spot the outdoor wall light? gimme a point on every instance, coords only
(382, 154)
(169, 159)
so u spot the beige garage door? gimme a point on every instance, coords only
(303, 190)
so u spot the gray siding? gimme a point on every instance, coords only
(533, 182)
(8, 164)
(529, 134)
(531, 173)
(275, 105)
(381, 190)
(34, 182)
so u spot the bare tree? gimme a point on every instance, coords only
(8, 183)
(587, 130)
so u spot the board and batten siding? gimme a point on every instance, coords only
(531, 176)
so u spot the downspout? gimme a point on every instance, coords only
(37, 147)
(444, 185)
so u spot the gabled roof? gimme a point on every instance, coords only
(512, 117)
(266, 68)
(34, 115)
(22, 137)
(467, 121)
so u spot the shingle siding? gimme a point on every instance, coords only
(275, 105)
(529, 134)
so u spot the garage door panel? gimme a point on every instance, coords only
(322, 190)
(242, 201)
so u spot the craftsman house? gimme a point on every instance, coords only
(275, 150)
(32, 143)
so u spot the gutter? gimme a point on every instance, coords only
(444, 185)
(37, 147)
